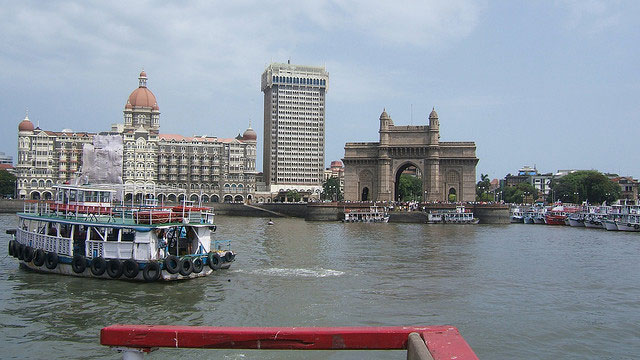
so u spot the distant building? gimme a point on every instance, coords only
(294, 128)
(530, 175)
(202, 168)
(6, 159)
(628, 187)
(373, 169)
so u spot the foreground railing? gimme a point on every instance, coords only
(421, 343)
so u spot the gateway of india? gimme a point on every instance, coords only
(372, 169)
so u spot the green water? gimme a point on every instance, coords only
(514, 291)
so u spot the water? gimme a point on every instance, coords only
(514, 291)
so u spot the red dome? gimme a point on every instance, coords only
(336, 163)
(25, 125)
(250, 134)
(143, 97)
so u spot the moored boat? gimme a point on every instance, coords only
(82, 233)
(458, 216)
(373, 214)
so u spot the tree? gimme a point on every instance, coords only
(293, 196)
(7, 183)
(482, 188)
(331, 189)
(521, 193)
(409, 188)
(589, 185)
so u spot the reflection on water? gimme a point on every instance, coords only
(514, 291)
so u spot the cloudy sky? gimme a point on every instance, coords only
(554, 84)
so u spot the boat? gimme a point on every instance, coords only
(516, 215)
(373, 214)
(576, 219)
(458, 216)
(629, 222)
(558, 215)
(83, 233)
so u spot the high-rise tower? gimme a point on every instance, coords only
(294, 115)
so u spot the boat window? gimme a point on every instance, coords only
(65, 230)
(128, 235)
(105, 197)
(53, 229)
(96, 233)
(112, 234)
(72, 195)
(80, 232)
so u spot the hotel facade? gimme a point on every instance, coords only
(198, 168)
(294, 128)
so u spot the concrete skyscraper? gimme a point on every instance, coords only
(294, 115)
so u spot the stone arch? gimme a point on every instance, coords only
(365, 185)
(215, 198)
(238, 199)
(398, 172)
(228, 198)
(452, 195)
(205, 198)
(452, 185)
(35, 195)
(194, 198)
(172, 197)
(47, 195)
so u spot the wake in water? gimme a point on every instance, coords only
(316, 273)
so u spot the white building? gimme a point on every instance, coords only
(200, 168)
(294, 117)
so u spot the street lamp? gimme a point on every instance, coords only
(576, 197)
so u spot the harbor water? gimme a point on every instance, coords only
(514, 291)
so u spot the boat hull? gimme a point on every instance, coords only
(66, 269)
(576, 223)
(628, 227)
(610, 225)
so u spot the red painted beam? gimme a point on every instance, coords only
(448, 344)
(291, 338)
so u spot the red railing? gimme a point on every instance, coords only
(439, 342)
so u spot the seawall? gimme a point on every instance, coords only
(334, 211)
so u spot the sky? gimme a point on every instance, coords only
(551, 84)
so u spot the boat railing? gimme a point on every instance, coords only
(421, 343)
(121, 214)
(58, 245)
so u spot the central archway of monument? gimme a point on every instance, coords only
(409, 186)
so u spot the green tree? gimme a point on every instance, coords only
(331, 189)
(588, 185)
(519, 194)
(482, 189)
(410, 188)
(293, 196)
(7, 183)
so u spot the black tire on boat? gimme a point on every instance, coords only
(20, 251)
(171, 263)
(114, 268)
(130, 268)
(51, 260)
(636, 226)
(28, 253)
(229, 256)
(214, 261)
(11, 247)
(98, 266)
(198, 265)
(152, 271)
(39, 257)
(185, 266)
(78, 264)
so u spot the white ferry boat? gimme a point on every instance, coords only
(374, 214)
(82, 233)
(516, 215)
(458, 216)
